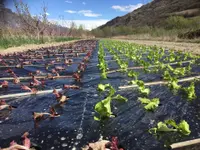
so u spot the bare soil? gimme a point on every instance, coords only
(183, 46)
(32, 46)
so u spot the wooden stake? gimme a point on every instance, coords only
(159, 82)
(184, 144)
(27, 93)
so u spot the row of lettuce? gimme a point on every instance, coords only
(171, 65)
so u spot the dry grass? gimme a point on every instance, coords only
(188, 12)
(148, 37)
(183, 46)
(172, 38)
(33, 46)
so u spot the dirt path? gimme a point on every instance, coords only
(192, 47)
(32, 46)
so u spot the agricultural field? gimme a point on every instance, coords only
(137, 97)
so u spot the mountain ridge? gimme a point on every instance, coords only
(154, 13)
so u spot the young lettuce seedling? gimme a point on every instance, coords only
(133, 74)
(103, 108)
(173, 84)
(190, 91)
(141, 87)
(171, 126)
(151, 105)
(102, 87)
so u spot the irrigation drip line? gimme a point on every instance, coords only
(38, 59)
(53, 50)
(159, 82)
(59, 51)
(185, 143)
(55, 53)
(55, 56)
(29, 57)
(115, 60)
(142, 67)
(66, 54)
(39, 65)
(50, 55)
(28, 93)
(112, 56)
(37, 77)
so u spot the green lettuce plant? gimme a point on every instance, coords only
(103, 108)
(150, 104)
(190, 91)
(141, 87)
(171, 126)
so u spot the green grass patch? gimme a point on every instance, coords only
(63, 39)
(6, 42)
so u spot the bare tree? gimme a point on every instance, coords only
(72, 29)
(32, 24)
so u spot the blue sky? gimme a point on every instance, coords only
(89, 13)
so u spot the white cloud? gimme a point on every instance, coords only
(70, 11)
(88, 24)
(127, 8)
(47, 14)
(87, 13)
(84, 3)
(68, 2)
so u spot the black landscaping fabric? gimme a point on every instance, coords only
(76, 126)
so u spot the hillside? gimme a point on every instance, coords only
(7, 17)
(155, 13)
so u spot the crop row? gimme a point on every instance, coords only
(171, 65)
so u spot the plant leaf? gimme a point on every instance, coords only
(161, 127)
(167, 75)
(174, 85)
(190, 91)
(172, 123)
(140, 83)
(112, 91)
(97, 118)
(133, 74)
(184, 127)
(152, 105)
(104, 75)
(102, 87)
(144, 100)
(170, 67)
(103, 108)
(132, 82)
(120, 98)
(144, 90)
